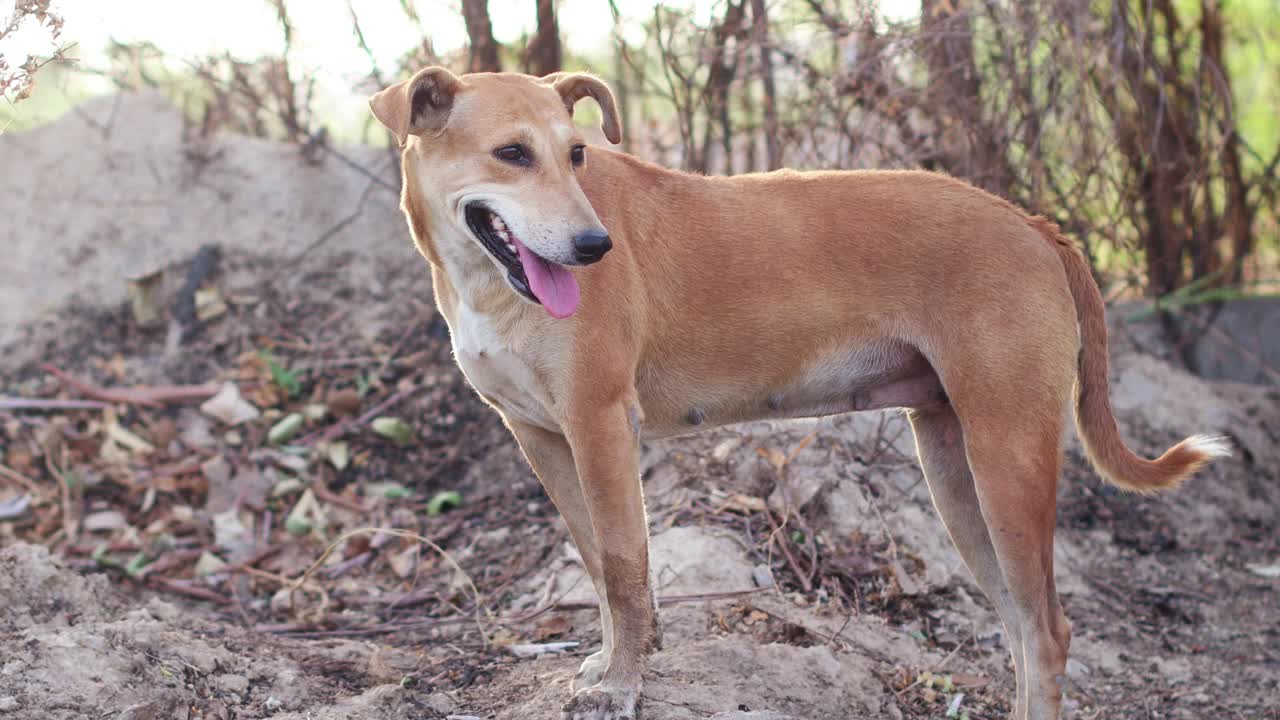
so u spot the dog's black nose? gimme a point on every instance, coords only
(591, 245)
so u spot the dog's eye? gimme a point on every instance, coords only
(577, 155)
(514, 154)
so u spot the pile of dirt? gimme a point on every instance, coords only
(123, 185)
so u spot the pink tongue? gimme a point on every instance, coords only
(554, 286)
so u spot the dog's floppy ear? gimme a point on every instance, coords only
(575, 86)
(417, 105)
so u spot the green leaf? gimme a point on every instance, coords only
(393, 428)
(444, 501)
(136, 564)
(389, 490)
(286, 428)
(287, 485)
(285, 378)
(99, 555)
(297, 525)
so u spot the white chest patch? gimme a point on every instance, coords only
(497, 372)
(475, 333)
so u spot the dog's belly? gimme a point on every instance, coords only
(885, 375)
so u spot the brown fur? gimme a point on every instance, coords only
(765, 296)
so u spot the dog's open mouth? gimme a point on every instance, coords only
(538, 279)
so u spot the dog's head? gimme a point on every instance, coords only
(495, 156)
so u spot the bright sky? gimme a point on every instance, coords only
(324, 46)
(324, 41)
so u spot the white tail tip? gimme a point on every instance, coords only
(1210, 446)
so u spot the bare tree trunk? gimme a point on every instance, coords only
(969, 146)
(543, 56)
(719, 78)
(1157, 136)
(1238, 214)
(760, 22)
(484, 49)
(748, 113)
(621, 81)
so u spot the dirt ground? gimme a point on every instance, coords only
(147, 552)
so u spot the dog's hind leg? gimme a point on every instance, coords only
(549, 455)
(940, 445)
(1013, 444)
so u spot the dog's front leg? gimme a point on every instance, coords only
(605, 438)
(549, 455)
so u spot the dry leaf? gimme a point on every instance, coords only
(146, 298)
(344, 402)
(229, 407)
(552, 627)
(105, 520)
(209, 304)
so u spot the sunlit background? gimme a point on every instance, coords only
(323, 45)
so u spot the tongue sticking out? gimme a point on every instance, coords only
(554, 286)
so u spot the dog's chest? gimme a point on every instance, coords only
(497, 372)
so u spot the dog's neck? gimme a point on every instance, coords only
(471, 276)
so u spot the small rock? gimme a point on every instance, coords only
(1266, 571)
(762, 575)
(105, 520)
(8, 703)
(439, 702)
(1076, 669)
(238, 684)
(142, 711)
(14, 507)
(725, 448)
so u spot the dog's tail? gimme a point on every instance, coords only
(1095, 420)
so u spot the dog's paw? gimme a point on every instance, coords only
(591, 670)
(601, 703)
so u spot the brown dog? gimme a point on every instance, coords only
(776, 295)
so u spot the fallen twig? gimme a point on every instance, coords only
(294, 585)
(528, 650)
(20, 403)
(151, 396)
(337, 430)
(324, 494)
(173, 585)
(170, 470)
(311, 630)
(663, 600)
(786, 551)
(19, 478)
